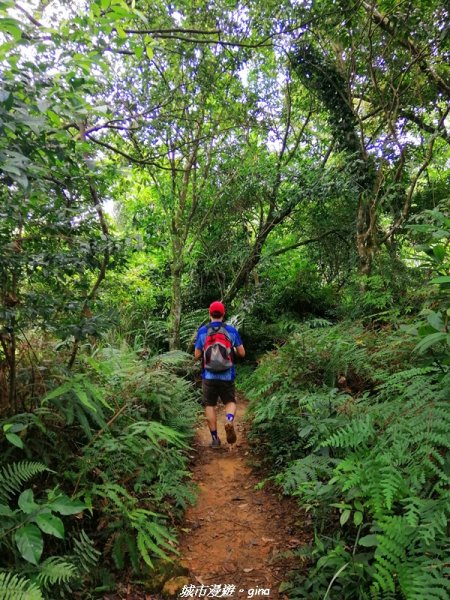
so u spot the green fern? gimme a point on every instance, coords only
(158, 433)
(317, 323)
(120, 544)
(174, 360)
(152, 537)
(13, 476)
(189, 324)
(372, 465)
(15, 587)
(84, 555)
(358, 432)
(79, 398)
(56, 570)
(312, 467)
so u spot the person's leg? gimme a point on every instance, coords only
(228, 396)
(210, 397)
(230, 410)
(211, 417)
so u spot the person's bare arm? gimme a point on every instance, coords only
(240, 351)
(197, 353)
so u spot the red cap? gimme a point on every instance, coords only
(217, 307)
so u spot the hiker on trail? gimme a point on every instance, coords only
(217, 344)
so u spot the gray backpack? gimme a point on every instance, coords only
(218, 349)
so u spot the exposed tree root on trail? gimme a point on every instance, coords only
(237, 535)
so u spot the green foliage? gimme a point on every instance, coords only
(234, 172)
(78, 399)
(56, 570)
(21, 535)
(368, 455)
(384, 297)
(84, 555)
(324, 79)
(13, 476)
(313, 356)
(292, 285)
(432, 240)
(132, 530)
(132, 473)
(22, 528)
(135, 472)
(15, 587)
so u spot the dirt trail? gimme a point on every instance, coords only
(234, 535)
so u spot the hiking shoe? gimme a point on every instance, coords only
(231, 434)
(215, 443)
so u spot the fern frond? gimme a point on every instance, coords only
(174, 359)
(310, 468)
(152, 537)
(13, 476)
(15, 587)
(85, 557)
(119, 548)
(390, 483)
(356, 433)
(56, 570)
(418, 583)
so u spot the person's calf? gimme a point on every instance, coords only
(211, 417)
(230, 409)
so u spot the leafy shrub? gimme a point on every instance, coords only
(384, 297)
(364, 445)
(130, 422)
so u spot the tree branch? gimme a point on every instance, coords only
(28, 15)
(407, 204)
(174, 30)
(337, 232)
(440, 130)
(132, 159)
(405, 40)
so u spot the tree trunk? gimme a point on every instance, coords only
(246, 269)
(10, 299)
(175, 307)
(12, 371)
(365, 241)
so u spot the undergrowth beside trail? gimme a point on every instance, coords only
(355, 424)
(98, 468)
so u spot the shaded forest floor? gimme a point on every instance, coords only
(237, 540)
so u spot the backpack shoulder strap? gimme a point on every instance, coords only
(211, 329)
(220, 328)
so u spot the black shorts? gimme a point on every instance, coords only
(215, 388)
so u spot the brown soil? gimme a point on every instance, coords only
(236, 534)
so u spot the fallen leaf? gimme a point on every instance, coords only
(247, 570)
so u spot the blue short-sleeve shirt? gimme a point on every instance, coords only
(230, 374)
